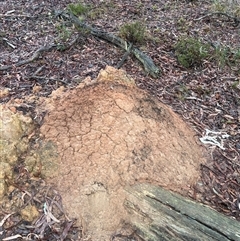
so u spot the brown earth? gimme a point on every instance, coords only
(110, 135)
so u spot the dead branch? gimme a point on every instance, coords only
(147, 62)
(236, 20)
(35, 56)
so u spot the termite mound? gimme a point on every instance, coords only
(110, 134)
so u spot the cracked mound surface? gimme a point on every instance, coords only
(110, 135)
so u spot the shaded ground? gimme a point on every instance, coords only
(207, 96)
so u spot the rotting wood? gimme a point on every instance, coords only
(147, 62)
(158, 214)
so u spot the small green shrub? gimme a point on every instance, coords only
(96, 13)
(191, 52)
(133, 32)
(64, 34)
(77, 9)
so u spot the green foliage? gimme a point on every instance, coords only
(219, 6)
(133, 32)
(191, 52)
(64, 34)
(96, 13)
(77, 9)
(237, 11)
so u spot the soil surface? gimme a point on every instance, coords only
(206, 96)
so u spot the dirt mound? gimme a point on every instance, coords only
(110, 134)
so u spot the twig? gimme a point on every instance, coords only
(36, 55)
(5, 218)
(11, 45)
(66, 229)
(16, 16)
(38, 71)
(236, 20)
(13, 237)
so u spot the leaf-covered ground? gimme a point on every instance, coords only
(206, 95)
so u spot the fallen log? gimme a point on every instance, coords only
(158, 214)
(147, 62)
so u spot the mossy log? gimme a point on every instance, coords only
(158, 214)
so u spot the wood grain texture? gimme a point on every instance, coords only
(158, 214)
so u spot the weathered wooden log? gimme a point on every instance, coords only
(147, 62)
(158, 214)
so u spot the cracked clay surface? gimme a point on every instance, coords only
(110, 135)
